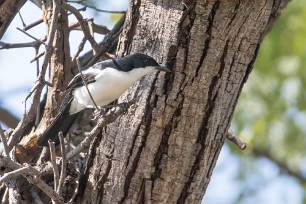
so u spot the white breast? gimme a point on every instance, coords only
(110, 85)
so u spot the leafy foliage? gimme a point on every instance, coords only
(271, 113)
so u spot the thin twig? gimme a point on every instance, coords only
(4, 142)
(107, 43)
(31, 25)
(5, 196)
(110, 117)
(37, 22)
(64, 163)
(33, 176)
(53, 161)
(40, 81)
(43, 156)
(91, 30)
(19, 45)
(236, 140)
(29, 95)
(76, 188)
(31, 36)
(96, 28)
(79, 50)
(281, 163)
(80, 71)
(82, 22)
(38, 56)
(13, 174)
(92, 7)
(22, 21)
(37, 73)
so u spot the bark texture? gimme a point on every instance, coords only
(8, 10)
(164, 150)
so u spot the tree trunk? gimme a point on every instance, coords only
(8, 10)
(164, 150)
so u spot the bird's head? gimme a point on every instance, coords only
(141, 61)
(146, 62)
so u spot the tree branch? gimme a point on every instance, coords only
(110, 117)
(54, 164)
(236, 140)
(281, 164)
(32, 175)
(96, 28)
(8, 118)
(40, 83)
(95, 8)
(4, 143)
(82, 22)
(8, 10)
(64, 163)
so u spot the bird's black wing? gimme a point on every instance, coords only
(61, 123)
(104, 64)
(119, 64)
(77, 81)
(89, 77)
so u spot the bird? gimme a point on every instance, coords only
(106, 82)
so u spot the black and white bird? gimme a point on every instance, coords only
(106, 81)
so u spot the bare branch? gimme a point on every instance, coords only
(32, 25)
(108, 42)
(8, 118)
(13, 174)
(236, 140)
(79, 50)
(38, 56)
(22, 21)
(4, 142)
(281, 164)
(90, 26)
(82, 22)
(77, 187)
(33, 176)
(110, 117)
(43, 156)
(37, 22)
(92, 7)
(96, 28)
(40, 83)
(53, 161)
(64, 163)
(5, 196)
(34, 44)
(31, 36)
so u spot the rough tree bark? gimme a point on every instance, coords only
(8, 10)
(165, 149)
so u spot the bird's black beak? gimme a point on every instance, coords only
(162, 68)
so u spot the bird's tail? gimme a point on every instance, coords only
(62, 122)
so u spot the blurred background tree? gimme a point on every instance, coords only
(271, 118)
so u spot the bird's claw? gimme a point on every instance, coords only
(98, 113)
(125, 106)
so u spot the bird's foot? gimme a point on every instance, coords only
(98, 113)
(125, 106)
